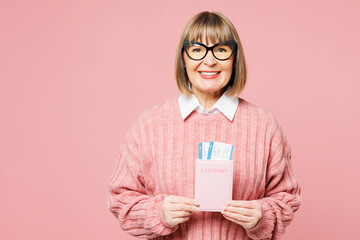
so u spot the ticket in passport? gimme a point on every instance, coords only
(215, 150)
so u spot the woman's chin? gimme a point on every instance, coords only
(210, 90)
(207, 88)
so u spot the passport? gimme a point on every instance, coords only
(213, 184)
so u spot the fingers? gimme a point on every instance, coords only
(244, 204)
(173, 221)
(181, 199)
(181, 214)
(246, 225)
(245, 213)
(242, 211)
(176, 221)
(184, 207)
(179, 203)
(178, 209)
(238, 217)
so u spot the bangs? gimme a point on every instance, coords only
(210, 28)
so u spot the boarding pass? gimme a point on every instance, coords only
(215, 150)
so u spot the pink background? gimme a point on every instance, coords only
(75, 74)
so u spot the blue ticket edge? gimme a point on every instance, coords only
(211, 145)
(200, 150)
(232, 147)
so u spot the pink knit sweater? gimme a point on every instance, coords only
(157, 158)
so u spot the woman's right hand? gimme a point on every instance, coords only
(177, 209)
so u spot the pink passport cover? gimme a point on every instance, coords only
(213, 184)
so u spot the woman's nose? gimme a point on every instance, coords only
(209, 59)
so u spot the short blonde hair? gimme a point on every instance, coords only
(214, 27)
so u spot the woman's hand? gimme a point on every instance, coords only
(245, 213)
(177, 209)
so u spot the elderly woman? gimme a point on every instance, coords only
(151, 191)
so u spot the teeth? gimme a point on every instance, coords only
(209, 73)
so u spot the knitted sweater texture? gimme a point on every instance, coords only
(157, 158)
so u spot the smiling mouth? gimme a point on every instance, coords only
(209, 73)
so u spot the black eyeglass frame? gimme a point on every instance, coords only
(233, 43)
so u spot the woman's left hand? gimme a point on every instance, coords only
(245, 213)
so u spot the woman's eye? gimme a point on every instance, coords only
(222, 50)
(196, 49)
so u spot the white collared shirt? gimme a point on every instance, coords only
(226, 105)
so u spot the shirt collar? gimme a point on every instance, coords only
(226, 105)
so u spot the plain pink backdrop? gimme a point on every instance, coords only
(75, 74)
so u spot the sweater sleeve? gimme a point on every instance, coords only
(139, 214)
(282, 194)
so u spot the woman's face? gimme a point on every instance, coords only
(208, 75)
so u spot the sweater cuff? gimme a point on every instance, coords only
(265, 226)
(156, 221)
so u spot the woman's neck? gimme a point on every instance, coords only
(207, 100)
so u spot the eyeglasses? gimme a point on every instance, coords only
(221, 51)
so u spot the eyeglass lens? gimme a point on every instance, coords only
(197, 52)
